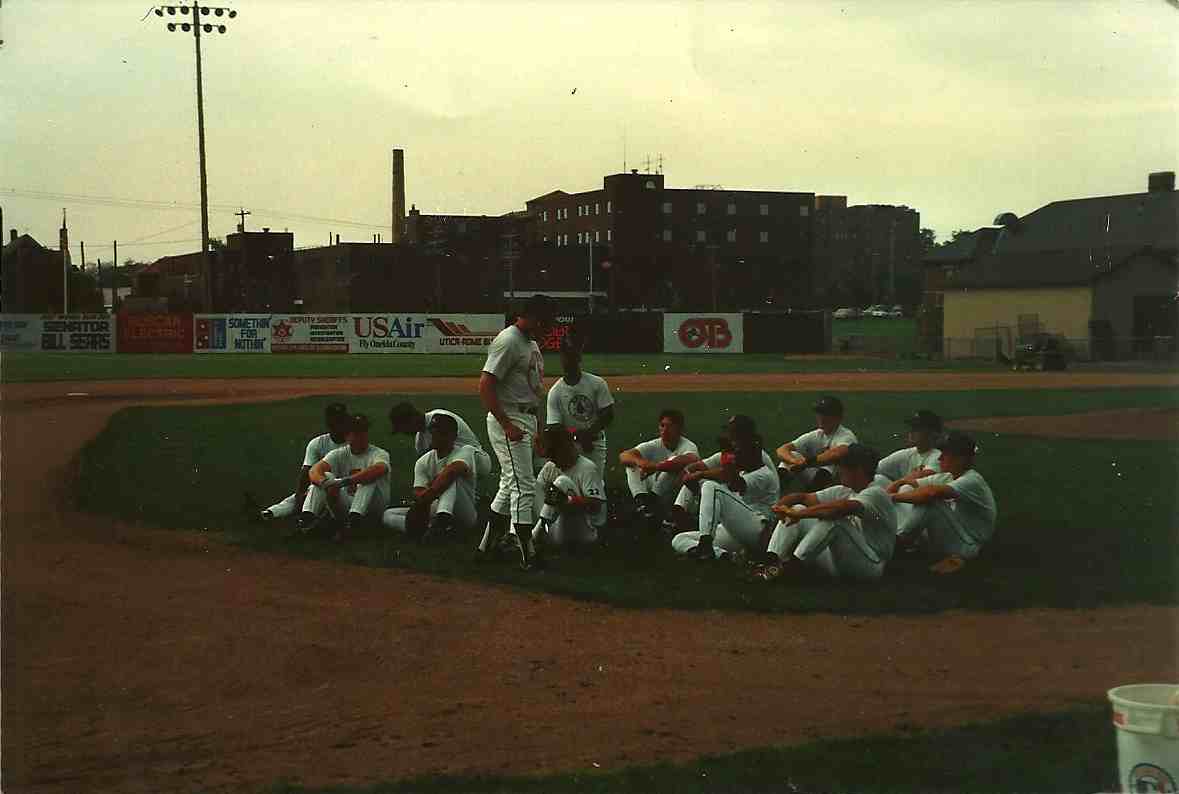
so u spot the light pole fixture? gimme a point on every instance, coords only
(195, 12)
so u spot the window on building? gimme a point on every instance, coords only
(701, 236)
(667, 208)
(731, 209)
(597, 208)
(544, 239)
(580, 210)
(764, 209)
(804, 211)
(608, 207)
(731, 235)
(667, 235)
(597, 236)
(544, 216)
(566, 236)
(609, 234)
(764, 237)
(701, 208)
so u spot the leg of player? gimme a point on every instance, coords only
(395, 518)
(284, 509)
(318, 502)
(839, 549)
(513, 503)
(685, 509)
(369, 502)
(945, 534)
(719, 505)
(454, 509)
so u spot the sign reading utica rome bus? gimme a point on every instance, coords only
(702, 333)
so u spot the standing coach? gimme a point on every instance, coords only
(511, 388)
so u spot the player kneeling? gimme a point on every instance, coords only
(574, 496)
(846, 531)
(354, 479)
(953, 511)
(444, 487)
(737, 492)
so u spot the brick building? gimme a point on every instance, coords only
(866, 253)
(669, 247)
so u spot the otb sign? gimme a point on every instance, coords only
(702, 333)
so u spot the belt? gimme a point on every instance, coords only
(526, 408)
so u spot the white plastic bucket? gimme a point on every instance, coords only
(1147, 719)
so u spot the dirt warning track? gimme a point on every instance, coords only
(153, 660)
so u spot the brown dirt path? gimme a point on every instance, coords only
(154, 660)
(1140, 424)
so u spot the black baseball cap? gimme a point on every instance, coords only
(861, 456)
(357, 423)
(539, 307)
(335, 411)
(741, 425)
(401, 413)
(829, 406)
(924, 420)
(444, 422)
(958, 443)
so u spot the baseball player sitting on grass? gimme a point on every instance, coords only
(921, 459)
(846, 531)
(953, 512)
(354, 479)
(737, 491)
(407, 420)
(574, 496)
(336, 417)
(582, 402)
(812, 458)
(654, 469)
(444, 487)
(685, 511)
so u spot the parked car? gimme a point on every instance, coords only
(876, 310)
(845, 314)
(896, 312)
(1043, 352)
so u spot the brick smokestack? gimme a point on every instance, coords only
(398, 194)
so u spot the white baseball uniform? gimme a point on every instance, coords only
(459, 497)
(955, 526)
(816, 442)
(317, 450)
(580, 479)
(367, 499)
(518, 366)
(466, 437)
(577, 407)
(734, 521)
(900, 463)
(855, 546)
(662, 484)
(690, 501)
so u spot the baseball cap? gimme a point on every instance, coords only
(335, 411)
(443, 422)
(741, 425)
(539, 307)
(357, 423)
(829, 406)
(861, 456)
(401, 413)
(958, 443)
(924, 420)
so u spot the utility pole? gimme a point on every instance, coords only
(196, 10)
(242, 213)
(115, 279)
(591, 274)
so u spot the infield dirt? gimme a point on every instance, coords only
(155, 660)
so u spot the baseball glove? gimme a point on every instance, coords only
(555, 497)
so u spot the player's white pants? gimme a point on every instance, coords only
(458, 502)
(598, 456)
(838, 548)
(689, 500)
(482, 469)
(567, 526)
(720, 508)
(369, 499)
(663, 485)
(517, 480)
(286, 508)
(943, 530)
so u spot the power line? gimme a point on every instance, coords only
(131, 203)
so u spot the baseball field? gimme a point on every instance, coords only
(158, 641)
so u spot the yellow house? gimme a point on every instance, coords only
(1100, 272)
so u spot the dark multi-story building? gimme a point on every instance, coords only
(866, 252)
(675, 248)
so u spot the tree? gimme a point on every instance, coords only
(928, 240)
(956, 235)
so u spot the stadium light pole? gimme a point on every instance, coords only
(221, 15)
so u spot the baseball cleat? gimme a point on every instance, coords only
(768, 573)
(702, 551)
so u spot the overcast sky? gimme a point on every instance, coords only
(960, 110)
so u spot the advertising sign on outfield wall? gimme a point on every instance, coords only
(155, 333)
(93, 333)
(231, 333)
(702, 333)
(383, 333)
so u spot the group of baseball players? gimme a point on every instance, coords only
(823, 501)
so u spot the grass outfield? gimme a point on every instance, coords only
(1080, 522)
(1071, 752)
(30, 367)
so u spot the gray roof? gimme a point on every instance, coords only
(1073, 242)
